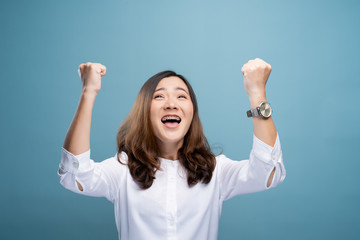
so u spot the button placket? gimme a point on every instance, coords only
(76, 164)
(273, 156)
(171, 200)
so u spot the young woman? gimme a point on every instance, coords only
(164, 181)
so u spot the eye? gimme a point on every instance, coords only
(182, 96)
(158, 96)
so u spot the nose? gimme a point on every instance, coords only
(170, 104)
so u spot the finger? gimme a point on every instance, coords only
(103, 73)
(244, 68)
(102, 70)
(81, 69)
(98, 66)
(81, 66)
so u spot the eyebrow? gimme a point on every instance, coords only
(178, 88)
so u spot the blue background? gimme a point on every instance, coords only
(313, 47)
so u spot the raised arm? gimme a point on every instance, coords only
(77, 139)
(256, 73)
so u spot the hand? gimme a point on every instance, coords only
(90, 75)
(256, 73)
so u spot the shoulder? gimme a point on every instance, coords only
(117, 162)
(223, 162)
(220, 159)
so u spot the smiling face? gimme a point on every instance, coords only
(171, 110)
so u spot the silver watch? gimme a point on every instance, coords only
(263, 110)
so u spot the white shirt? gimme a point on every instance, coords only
(169, 209)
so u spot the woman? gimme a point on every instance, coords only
(164, 182)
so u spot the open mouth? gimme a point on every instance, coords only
(171, 120)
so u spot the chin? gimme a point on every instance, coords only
(170, 140)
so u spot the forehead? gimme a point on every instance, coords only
(172, 83)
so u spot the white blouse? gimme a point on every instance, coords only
(169, 209)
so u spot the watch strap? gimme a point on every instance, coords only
(253, 112)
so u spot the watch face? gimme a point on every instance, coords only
(265, 109)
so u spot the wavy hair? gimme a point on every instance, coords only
(136, 138)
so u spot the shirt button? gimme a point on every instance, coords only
(75, 164)
(273, 156)
(172, 222)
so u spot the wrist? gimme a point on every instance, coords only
(88, 97)
(88, 93)
(255, 100)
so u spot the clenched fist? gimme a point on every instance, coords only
(90, 74)
(256, 73)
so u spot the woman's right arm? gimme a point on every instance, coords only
(77, 139)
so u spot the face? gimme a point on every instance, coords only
(171, 110)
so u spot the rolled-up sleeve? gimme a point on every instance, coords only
(98, 179)
(247, 176)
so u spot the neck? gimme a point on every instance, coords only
(170, 150)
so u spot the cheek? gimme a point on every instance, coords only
(153, 120)
(191, 111)
(153, 123)
(153, 113)
(191, 118)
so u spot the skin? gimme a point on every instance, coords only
(171, 97)
(256, 73)
(77, 139)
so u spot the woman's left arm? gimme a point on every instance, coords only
(256, 73)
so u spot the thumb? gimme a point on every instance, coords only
(102, 71)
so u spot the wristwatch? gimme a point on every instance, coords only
(263, 110)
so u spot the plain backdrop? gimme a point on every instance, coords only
(313, 47)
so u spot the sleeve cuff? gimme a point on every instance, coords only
(265, 152)
(71, 163)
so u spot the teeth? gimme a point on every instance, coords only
(170, 118)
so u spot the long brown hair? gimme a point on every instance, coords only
(136, 138)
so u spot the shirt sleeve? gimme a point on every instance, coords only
(98, 179)
(248, 176)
